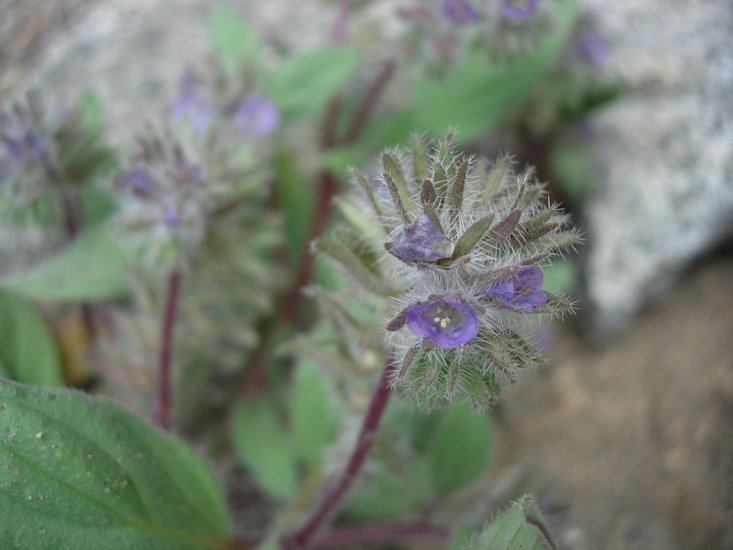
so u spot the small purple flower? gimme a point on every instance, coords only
(139, 182)
(421, 241)
(593, 47)
(170, 216)
(27, 147)
(522, 290)
(189, 106)
(193, 110)
(459, 11)
(446, 323)
(257, 116)
(518, 9)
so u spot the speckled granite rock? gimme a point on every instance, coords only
(131, 53)
(664, 151)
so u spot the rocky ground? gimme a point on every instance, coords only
(634, 440)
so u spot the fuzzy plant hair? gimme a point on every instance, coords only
(449, 249)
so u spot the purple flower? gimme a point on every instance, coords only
(593, 47)
(446, 322)
(421, 241)
(27, 147)
(170, 216)
(257, 116)
(190, 106)
(193, 110)
(459, 11)
(522, 290)
(138, 181)
(518, 9)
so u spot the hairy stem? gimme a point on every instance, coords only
(163, 394)
(334, 493)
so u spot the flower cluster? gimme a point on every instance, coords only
(460, 268)
(443, 29)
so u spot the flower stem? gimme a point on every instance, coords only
(385, 533)
(163, 395)
(369, 101)
(334, 493)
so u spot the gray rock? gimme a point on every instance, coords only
(664, 152)
(131, 53)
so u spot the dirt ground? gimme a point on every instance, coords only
(635, 441)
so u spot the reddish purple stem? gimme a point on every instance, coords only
(382, 533)
(333, 493)
(163, 396)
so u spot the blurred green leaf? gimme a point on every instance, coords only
(97, 205)
(460, 448)
(302, 85)
(28, 351)
(265, 447)
(572, 166)
(232, 39)
(522, 527)
(92, 111)
(90, 268)
(85, 473)
(387, 494)
(312, 412)
(480, 92)
(296, 197)
(460, 537)
(339, 160)
(559, 277)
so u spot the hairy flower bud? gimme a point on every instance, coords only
(460, 270)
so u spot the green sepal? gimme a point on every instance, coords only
(472, 236)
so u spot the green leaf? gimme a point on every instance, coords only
(295, 195)
(461, 537)
(480, 93)
(388, 494)
(28, 351)
(232, 40)
(90, 268)
(312, 412)
(303, 85)
(265, 447)
(559, 277)
(85, 473)
(522, 527)
(461, 447)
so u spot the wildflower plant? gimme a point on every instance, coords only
(458, 271)
(337, 349)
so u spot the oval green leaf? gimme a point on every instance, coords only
(28, 351)
(265, 447)
(85, 473)
(90, 268)
(460, 448)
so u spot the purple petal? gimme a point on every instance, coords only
(518, 9)
(257, 116)
(523, 290)
(139, 182)
(446, 323)
(459, 11)
(503, 290)
(193, 110)
(593, 47)
(530, 276)
(421, 241)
